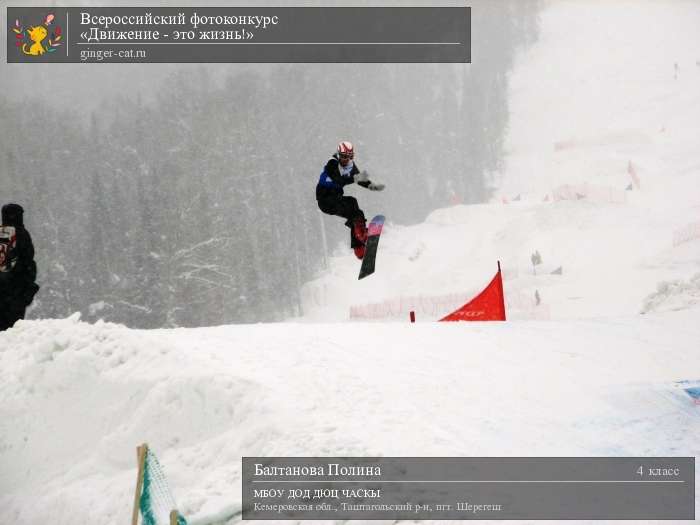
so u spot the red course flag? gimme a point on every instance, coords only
(489, 305)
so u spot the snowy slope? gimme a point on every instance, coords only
(596, 97)
(598, 378)
(612, 256)
(600, 89)
(77, 398)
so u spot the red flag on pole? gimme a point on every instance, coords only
(489, 305)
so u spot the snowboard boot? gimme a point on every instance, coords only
(358, 237)
(359, 229)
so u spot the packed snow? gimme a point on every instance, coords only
(601, 334)
(79, 397)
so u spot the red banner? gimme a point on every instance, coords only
(489, 305)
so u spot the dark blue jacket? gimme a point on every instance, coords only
(331, 182)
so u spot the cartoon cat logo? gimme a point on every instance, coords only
(37, 35)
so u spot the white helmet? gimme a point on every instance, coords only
(346, 149)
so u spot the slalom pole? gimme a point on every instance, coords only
(141, 457)
(500, 285)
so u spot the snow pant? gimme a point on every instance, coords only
(345, 207)
(10, 314)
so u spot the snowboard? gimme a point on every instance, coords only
(374, 230)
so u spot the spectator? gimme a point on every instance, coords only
(17, 267)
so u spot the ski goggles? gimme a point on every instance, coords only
(345, 156)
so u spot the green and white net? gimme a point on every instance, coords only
(156, 501)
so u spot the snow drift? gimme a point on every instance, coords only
(79, 397)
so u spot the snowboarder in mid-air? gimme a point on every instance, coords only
(341, 170)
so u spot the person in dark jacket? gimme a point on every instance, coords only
(341, 170)
(18, 275)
